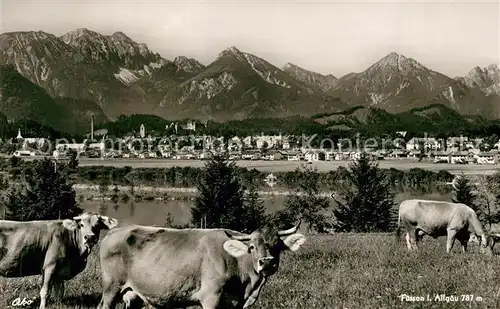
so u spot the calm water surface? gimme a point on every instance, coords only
(155, 212)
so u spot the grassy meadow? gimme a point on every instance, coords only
(353, 271)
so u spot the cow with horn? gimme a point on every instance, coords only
(177, 268)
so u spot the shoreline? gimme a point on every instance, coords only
(289, 166)
(160, 190)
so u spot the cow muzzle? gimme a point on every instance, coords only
(267, 263)
(89, 239)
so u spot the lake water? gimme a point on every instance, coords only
(155, 212)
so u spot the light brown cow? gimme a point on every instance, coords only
(55, 249)
(437, 218)
(177, 268)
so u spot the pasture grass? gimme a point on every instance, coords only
(334, 271)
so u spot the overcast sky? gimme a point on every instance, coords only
(334, 37)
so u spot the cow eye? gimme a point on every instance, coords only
(252, 247)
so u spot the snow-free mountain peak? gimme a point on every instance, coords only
(73, 35)
(487, 79)
(121, 76)
(188, 64)
(397, 62)
(316, 80)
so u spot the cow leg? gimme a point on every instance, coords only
(210, 300)
(463, 242)
(109, 298)
(463, 238)
(408, 242)
(411, 240)
(451, 240)
(48, 272)
(493, 241)
(57, 289)
(419, 235)
(132, 300)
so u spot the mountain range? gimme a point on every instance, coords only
(62, 80)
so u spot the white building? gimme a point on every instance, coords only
(269, 140)
(97, 146)
(486, 157)
(142, 131)
(24, 153)
(78, 147)
(428, 143)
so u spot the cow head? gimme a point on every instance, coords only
(264, 246)
(89, 225)
(486, 243)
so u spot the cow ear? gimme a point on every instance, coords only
(294, 241)
(70, 224)
(235, 247)
(109, 222)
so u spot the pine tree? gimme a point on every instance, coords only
(463, 190)
(45, 195)
(254, 213)
(220, 196)
(367, 201)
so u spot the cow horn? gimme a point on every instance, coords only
(238, 237)
(454, 182)
(290, 231)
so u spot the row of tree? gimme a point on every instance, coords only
(442, 122)
(415, 179)
(364, 199)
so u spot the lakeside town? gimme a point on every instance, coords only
(141, 145)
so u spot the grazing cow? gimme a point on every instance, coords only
(436, 218)
(55, 249)
(177, 268)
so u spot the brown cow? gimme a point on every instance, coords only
(437, 218)
(55, 249)
(176, 268)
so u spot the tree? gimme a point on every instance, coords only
(73, 159)
(4, 186)
(114, 196)
(220, 196)
(463, 190)
(306, 204)
(15, 167)
(45, 195)
(104, 186)
(253, 215)
(265, 146)
(367, 200)
(14, 161)
(488, 198)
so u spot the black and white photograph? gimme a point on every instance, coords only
(220, 154)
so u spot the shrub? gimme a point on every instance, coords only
(306, 205)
